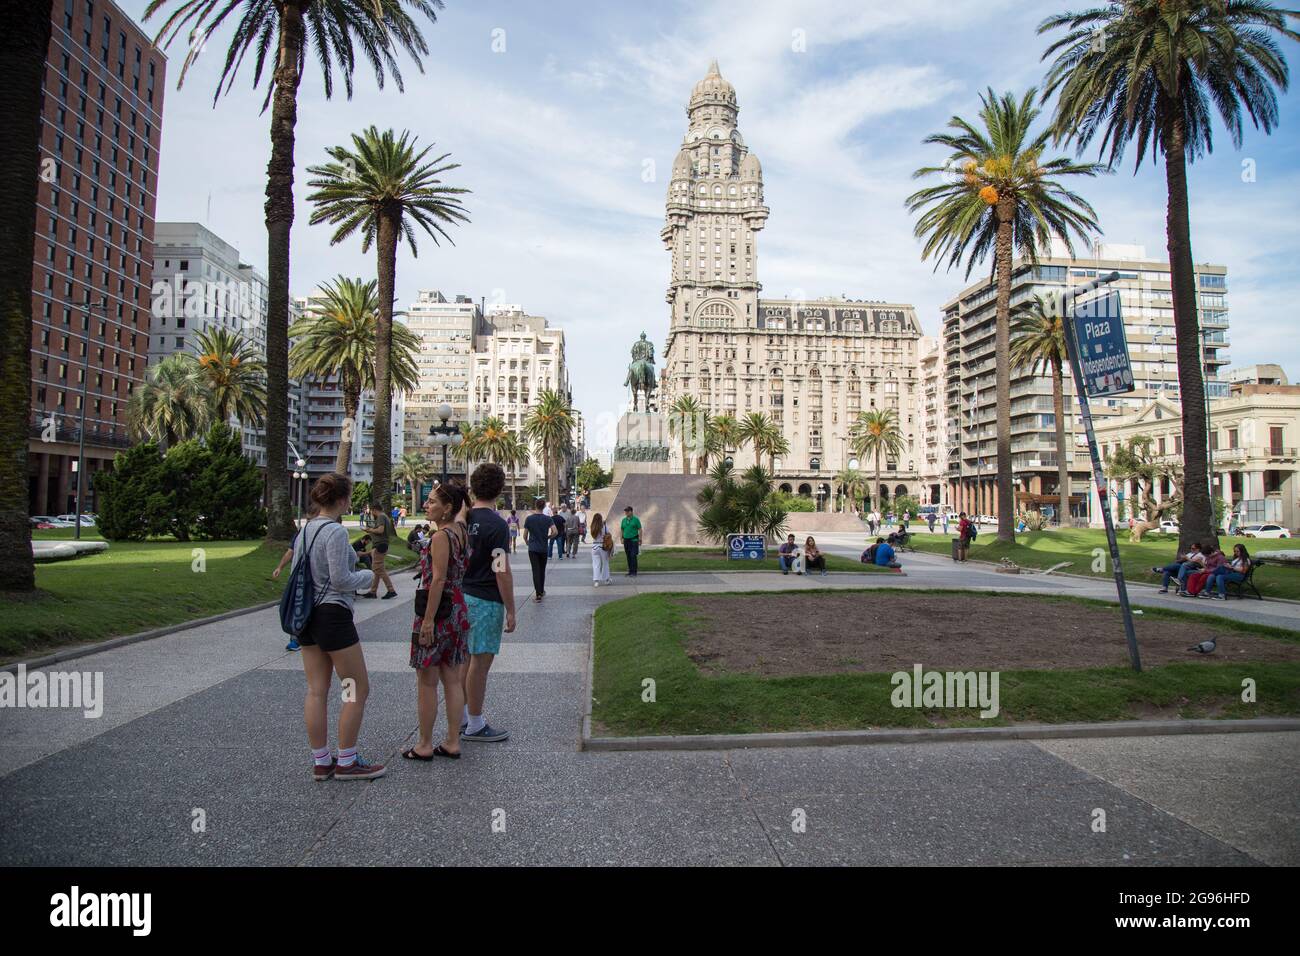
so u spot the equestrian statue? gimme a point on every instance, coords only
(641, 373)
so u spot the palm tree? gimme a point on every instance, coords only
(292, 32)
(1037, 342)
(727, 430)
(684, 421)
(514, 456)
(23, 50)
(171, 404)
(759, 432)
(233, 375)
(380, 186)
(850, 480)
(874, 433)
(711, 446)
(549, 426)
(1005, 201)
(411, 471)
(337, 337)
(746, 506)
(1164, 67)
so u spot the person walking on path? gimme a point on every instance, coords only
(572, 529)
(929, 519)
(945, 523)
(602, 546)
(489, 597)
(440, 634)
(630, 532)
(513, 524)
(556, 541)
(330, 643)
(964, 536)
(581, 515)
(538, 532)
(380, 526)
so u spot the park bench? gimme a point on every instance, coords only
(1238, 588)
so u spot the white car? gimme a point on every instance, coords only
(50, 522)
(1169, 527)
(86, 520)
(1263, 531)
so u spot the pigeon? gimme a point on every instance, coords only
(1205, 647)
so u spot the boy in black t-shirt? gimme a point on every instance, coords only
(489, 592)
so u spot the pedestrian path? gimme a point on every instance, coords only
(207, 723)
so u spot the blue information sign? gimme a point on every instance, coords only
(746, 546)
(1101, 346)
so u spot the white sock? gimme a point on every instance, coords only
(347, 757)
(322, 757)
(464, 714)
(476, 723)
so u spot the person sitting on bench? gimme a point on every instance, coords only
(1182, 566)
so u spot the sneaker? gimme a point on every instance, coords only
(1162, 591)
(1157, 571)
(488, 734)
(360, 770)
(390, 594)
(1217, 597)
(321, 772)
(368, 594)
(293, 645)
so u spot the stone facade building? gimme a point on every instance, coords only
(810, 365)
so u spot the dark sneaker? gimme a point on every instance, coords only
(390, 594)
(488, 734)
(324, 772)
(1163, 591)
(360, 770)
(367, 594)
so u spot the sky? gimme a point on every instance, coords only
(565, 118)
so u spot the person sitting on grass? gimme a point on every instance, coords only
(1181, 567)
(869, 555)
(786, 555)
(813, 559)
(885, 555)
(362, 547)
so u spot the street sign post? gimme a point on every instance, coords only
(746, 547)
(1099, 362)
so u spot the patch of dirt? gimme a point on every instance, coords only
(780, 635)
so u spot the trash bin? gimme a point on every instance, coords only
(956, 546)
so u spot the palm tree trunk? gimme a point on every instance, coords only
(1062, 466)
(386, 246)
(686, 461)
(22, 49)
(1002, 375)
(279, 222)
(351, 399)
(875, 492)
(1198, 511)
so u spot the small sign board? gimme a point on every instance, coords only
(1101, 346)
(746, 547)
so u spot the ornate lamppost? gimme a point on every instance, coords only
(445, 435)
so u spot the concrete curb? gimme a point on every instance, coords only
(836, 738)
(86, 650)
(588, 686)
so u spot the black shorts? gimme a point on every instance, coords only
(380, 545)
(330, 628)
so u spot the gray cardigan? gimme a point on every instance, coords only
(333, 562)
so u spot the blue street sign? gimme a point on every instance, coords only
(746, 546)
(1101, 346)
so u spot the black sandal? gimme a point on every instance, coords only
(410, 754)
(438, 751)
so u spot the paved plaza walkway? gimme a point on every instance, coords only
(205, 724)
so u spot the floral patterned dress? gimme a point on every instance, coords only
(450, 637)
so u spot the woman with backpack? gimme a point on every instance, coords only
(602, 545)
(440, 635)
(330, 643)
(965, 535)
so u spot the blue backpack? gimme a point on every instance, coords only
(299, 597)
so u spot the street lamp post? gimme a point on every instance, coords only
(445, 435)
(81, 430)
(300, 475)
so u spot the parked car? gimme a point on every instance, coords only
(1263, 531)
(1169, 527)
(86, 520)
(46, 521)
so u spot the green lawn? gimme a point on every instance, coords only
(713, 559)
(1043, 549)
(644, 637)
(136, 586)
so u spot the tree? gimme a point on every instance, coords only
(726, 431)
(514, 456)
(23, 48)
(233, 376)
(851, 482)
(872, 434)
(745, 506)
(711, 444)
(1134, 462)
(337, 337)
(591, 476)
(411, 470)
(291, 32)
(381, 186)
(1000, 198)
(685, 421)
(1164, 68)
(225, 490)
(171, 405)
(549, 426)
(1038, 341)
(760, 433)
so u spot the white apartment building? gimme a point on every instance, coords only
(932, 422)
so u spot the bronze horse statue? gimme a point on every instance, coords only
(641, 373)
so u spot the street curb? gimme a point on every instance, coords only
(88, 649)
(588, 686)
(836, 738)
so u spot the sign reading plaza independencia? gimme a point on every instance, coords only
(1101, 346)
(740, 546)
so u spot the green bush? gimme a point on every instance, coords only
(789, 502)
(133, 500)
(360, 495)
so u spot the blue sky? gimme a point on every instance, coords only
(557, 110)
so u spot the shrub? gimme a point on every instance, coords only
(747, 506)
(132, 497)
(789, 502)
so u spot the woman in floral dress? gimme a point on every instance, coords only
(439, 648)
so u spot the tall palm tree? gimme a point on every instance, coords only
(514, 456)
(171, 404)
(549, 426)
(1006, 200)
(233, 374)
(382, 187)
(1164, 68)
(684, 421)
(711, 444)
(24, 46)
(337, 337)
(411, 471)
(760, 433)
(1037, 342)
(292, 32)
(727, 430)
(850, 481)
(874, 433)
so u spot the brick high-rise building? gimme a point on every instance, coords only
(101, 120)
